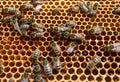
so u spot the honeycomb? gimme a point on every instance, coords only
(16, 52)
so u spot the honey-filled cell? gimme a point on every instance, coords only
(16, 51)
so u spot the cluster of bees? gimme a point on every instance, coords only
(21, 24)
(44, 69)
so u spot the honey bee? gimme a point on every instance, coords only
(39, 78)
(37, 68)
(11, 80)
(56, 10)
(94, 62)
(116, 11)
(56, 63)
(107, 48)
(112, 47)
(26, 7)
(55, 47)
(93, 11)
(83, 7)
(74, 9)
(7, 19)
(47, 67)
(36, 54)
(25, 76)
(36, 34)
(9, 10)
(71, 47)
(96, 30)
(1, 69)
(70, 24)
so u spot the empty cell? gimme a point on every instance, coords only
(103, 71)
(111, 72)
(67, 77)
(59, 77)
(90, 78)
(108, 79)
(82, 77)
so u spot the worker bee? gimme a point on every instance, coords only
(47, 67)
(26, 7)
(36, 34)
(11, 80)
(1, 69)
(25, 76)
(55, 47)
(78, 36)
(70, 24)
(116, 11)
(36, 54)
(37, 68)
(93, 11)
(56, 10)
(71, 47)
(74, 9)
(22, 21)
(7, 19)
(56, 63)
(112, 47)
(96, 30)
(9, 10)
(83, 7)
(107, 48)
(94, 62)
(39, 78)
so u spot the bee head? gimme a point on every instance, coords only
(88, 3)
(91, 31)
(95, 6)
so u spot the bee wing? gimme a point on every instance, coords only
(16, 27)
(37, 9)
(69, 50)
(98, 30)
